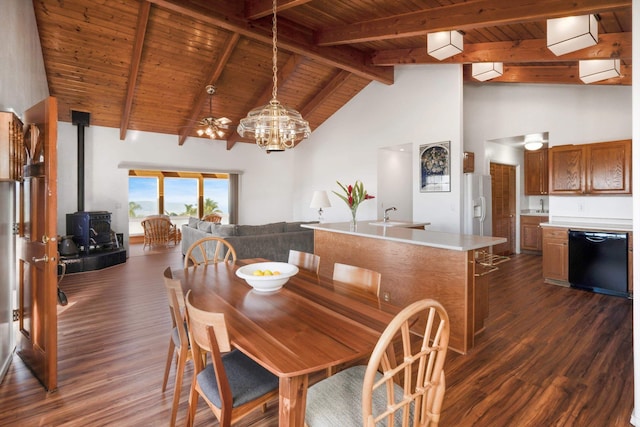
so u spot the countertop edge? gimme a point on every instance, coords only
(588, 226)
(412, 236)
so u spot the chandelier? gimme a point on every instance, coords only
(274, 126)
(212, 127)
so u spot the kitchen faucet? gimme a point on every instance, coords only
(386, 213)
(541, 205)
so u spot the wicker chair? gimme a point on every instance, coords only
(212, 218)
(159, 230)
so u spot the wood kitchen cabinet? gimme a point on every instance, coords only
(555, 255)
(11, 147)
(531, 232)
(536, 172)
(600, 168)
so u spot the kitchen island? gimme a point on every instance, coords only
(416, 264)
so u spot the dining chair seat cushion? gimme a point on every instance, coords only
(247, 379)
(175, 337)
(337, 400)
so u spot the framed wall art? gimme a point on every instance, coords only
(435, 167)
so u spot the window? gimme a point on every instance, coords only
(180, 195)
(143, 201)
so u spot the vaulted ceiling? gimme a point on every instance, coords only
(144, 65)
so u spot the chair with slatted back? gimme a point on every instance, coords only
(159, 230)
(212, 218)
(209, 250)
(178, 342)
(404, 379)
(362, 278)
(232, 384)
(304, 260)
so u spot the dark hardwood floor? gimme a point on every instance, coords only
(550, 356)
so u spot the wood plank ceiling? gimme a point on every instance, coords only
(143, 65)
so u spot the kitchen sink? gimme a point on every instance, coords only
(391, 223)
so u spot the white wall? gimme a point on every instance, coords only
(424, 105)
(395, 182)
(23, 81)
(572, 114)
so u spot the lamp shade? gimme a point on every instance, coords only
(484, 71)
(594, 70)
(320, 200)
(572, 33)
(443, 44)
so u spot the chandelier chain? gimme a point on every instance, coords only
(274, 91)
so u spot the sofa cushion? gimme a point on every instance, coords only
(193, 222)
(295, 226)
(256, 230)
(224, 230)
(204, 226)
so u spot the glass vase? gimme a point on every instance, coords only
(353, 225)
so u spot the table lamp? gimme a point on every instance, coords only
(320, 200)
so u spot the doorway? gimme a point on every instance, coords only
(503, 206)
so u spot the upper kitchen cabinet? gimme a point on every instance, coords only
(609, 166)
(536, 172)
(600, 168)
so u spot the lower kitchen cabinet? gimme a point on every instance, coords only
(531, 233)
(555, 255)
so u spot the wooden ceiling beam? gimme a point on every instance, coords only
(549, 74)
(612, 45)
(343, 57)
(462, 16)
(215, 74)
(255, 9)
(329, 89)
(136, 56)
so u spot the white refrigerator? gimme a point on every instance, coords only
(477, 204)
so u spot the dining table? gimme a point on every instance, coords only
(312, 323)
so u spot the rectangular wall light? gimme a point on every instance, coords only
(572, 33)
(484, 71)
(443, 44)
(594, 70)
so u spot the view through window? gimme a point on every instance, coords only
(178, 194)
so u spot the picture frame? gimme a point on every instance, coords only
(435, 167)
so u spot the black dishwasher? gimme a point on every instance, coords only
(598, 261)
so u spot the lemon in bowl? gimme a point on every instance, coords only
(267, 276)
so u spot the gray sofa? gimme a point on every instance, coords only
(269, 241)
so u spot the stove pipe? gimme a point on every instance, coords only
(80, 119)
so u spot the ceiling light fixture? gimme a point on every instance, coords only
(572, 33)
(444, 44)
(533, 142)
(274, 126)
(484, 71)
(594, 70)
(213, 128)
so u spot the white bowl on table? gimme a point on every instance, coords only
(267, 283)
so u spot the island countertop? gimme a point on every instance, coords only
(435, 239)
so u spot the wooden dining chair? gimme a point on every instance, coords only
(362, 278)
(403, 380)
(209, 250)
(304, 260)
(232, 384)
(178, 341)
